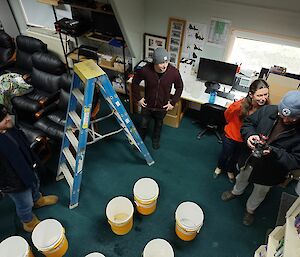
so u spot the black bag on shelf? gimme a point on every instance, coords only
(74, 28)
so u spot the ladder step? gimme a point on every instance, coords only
(75, 118)
(71, 160)
(72, 138)
(64, 168)
(79, 96)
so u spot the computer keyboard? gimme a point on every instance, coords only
(228, 96)
(241, 88)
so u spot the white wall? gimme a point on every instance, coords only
(254, 15)
(130, 15)
(7, 19)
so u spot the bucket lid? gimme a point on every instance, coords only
(14, 246)
(189, 215)
(121, 208)
(47, 234)
(146, 189)
(158, 248)
(94, 254)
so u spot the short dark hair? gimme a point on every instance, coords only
(3, 112)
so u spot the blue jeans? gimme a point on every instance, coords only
(229, 155)
(24, 201)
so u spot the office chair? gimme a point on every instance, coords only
(7, 50)
(26, 47)
(212, 117)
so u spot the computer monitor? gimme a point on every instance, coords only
(106, 24)
(216, 72)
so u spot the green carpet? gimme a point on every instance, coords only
(183, 169)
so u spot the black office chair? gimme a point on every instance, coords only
(212, 117)
(7, 50)
(26, 47)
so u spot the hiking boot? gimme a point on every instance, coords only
(248, 218)
(29, 226)
(231, 177)
(228, 195)
(155, 144)
(45, 201)
(217, 172)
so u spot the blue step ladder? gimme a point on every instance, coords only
(78, 128)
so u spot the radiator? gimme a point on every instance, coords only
(51, 38)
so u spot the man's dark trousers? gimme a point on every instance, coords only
(158, 115)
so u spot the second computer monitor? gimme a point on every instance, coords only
(216, 71)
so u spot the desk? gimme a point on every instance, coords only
(194, 91)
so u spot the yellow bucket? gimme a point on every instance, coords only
(15, 246)
(119, 212)
(158, 248)
(49, 238)
(189, 220)
(95, 255)
(145, 193)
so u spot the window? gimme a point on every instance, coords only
(255, 51)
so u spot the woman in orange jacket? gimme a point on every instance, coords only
(257, 97)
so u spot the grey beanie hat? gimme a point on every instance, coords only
(289, 105)
(160, 55)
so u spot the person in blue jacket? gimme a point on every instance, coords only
(18, 178)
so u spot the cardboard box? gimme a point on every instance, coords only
(108, 62)
(119, 66)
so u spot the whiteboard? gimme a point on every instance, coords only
(41, 15)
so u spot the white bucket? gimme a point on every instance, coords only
(145, 193)
(15, 246)
(158, 248)
(119, 212)
(189, 220)
(49, 237)
(95, 255)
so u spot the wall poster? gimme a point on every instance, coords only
(218, 32)
(151, 42)
(195, 37)
(175, 38)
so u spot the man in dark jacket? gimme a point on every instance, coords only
(268, 164)
(159, 77)
(17, 172)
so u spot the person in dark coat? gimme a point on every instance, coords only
(18, 178)
(273, 150)
(159, 77)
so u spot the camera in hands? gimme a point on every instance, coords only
(260, 146)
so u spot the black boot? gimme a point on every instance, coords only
(155, 144)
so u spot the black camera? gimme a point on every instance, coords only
(260, 145)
